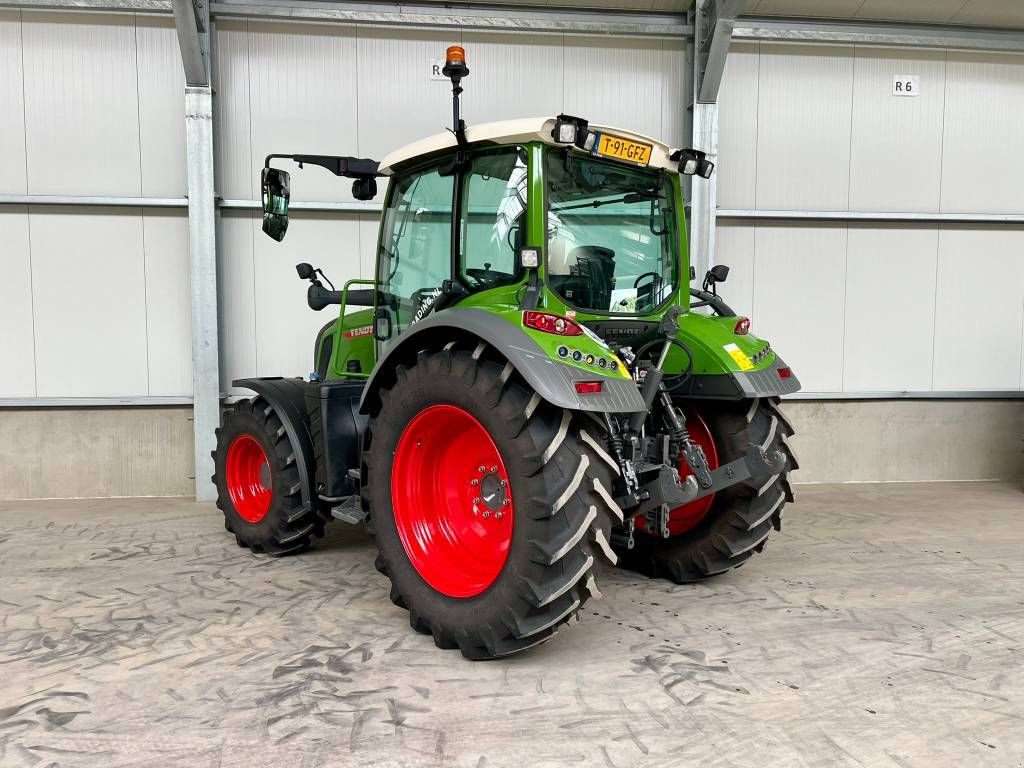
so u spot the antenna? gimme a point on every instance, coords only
(456, 69)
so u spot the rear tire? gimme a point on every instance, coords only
(257, 480)
(741, 517)
(561, 509)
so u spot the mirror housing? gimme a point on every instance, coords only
(275, 185)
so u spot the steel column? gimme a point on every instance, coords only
(202, 243)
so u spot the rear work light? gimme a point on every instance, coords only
(589, 387)
(742, 326)
(542, 321)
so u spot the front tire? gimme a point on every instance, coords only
(435, 545)
(740, 518)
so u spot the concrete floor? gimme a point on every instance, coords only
(884, 627)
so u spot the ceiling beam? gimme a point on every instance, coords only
(192, 21)
(717, 18)
(872, 33)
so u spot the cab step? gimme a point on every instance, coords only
(349, 511)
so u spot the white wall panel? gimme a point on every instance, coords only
(799, 295)
(982, 158)
(16, 346)
(168, 302)
(81, 104)
(285, 325)
(302, 98)
(737, 127)
(618, 81)
(979, 309)
(89, 300)
(237, 297)
(235, 162)
(512, 76)
(398, 102)
(12, 126)
(369, 229)
(161, 108)
(890, 308)
(673, 106)
(734, 247)
(896, 152)
(803, 122)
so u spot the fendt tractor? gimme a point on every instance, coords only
(528, 388)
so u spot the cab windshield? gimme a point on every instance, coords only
(612, 243)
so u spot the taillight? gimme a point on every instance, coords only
(589, 387)
(542, 321)
(785, 373)
(742, 326)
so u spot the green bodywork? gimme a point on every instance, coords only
(716, 348)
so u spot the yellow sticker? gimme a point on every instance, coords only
(740, 357)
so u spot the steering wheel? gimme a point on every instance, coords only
(485, 276)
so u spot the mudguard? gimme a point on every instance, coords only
(555, 382)
(287, 398)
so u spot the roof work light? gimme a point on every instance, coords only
(572, 130)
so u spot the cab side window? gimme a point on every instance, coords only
(493, 221)
(415, 245)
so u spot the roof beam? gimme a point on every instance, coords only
(870, 33)
(192, 20)
(717, 18)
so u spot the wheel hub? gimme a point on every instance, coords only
(247, 477)
(452, 504)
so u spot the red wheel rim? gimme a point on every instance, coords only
(452, 501)
(681, 519)
(247, 475)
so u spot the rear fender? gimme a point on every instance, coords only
(553, 380)
(287, 398)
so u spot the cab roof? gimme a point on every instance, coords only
(515, 132)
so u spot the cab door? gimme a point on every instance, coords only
(415, 249)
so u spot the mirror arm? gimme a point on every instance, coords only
(349, 167)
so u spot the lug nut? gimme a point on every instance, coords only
(486, 514)
(494, 469)
(482, 469)
(474, 481)
(476, 501)
(503, 483)
(498, 515)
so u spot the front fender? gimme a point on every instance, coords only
(553, 380)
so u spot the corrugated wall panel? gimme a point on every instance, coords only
(799, 293)
(302, 97)
(369, 229)
(513, 76)
(890, 308)
(983, 147)
(12, 97)
(803, 123)
(237, 297)
(16, 348)
(617, 81)
(734, 247)
(674, 108)
(398, 102)
(235, 162)
(980, 309)
(168, 302)
(81, 104)
(161, 108)
(896, 153)
(286, 327)
(89, 302)
(737, 127)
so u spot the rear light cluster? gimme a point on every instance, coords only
(589, 387)
(785, 373)
(742, 326)
(559, 326)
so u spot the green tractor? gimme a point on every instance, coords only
(526, 388)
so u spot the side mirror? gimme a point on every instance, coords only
(693, 162)
(275, 185)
